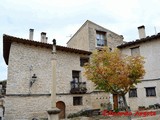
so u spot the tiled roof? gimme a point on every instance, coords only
(7, 40)
(148, 38)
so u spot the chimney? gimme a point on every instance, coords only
(141, 30)
(31, 31)
(43, 37)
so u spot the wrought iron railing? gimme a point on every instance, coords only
(78, 87)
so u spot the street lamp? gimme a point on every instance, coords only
(33, 79)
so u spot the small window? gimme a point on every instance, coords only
(150, 91)
(100, 37)
(83, 60)
(77, 101)
(135, 51)
(133, 93)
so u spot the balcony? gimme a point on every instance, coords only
(78, 87)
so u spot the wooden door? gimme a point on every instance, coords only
(115, 101)
(61, 105)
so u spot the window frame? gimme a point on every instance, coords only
(83, 60)
(153, 93)
(101, 33)
(79, 100)
(134, 94)
(133, 48)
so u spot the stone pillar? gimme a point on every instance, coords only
(53, 114)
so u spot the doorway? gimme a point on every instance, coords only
(61, 105)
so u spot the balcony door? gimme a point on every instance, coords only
(76, 76)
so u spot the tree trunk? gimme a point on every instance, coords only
(115, 101)
(126, 106)
(125, 103)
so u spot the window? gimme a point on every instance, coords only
(83, 60)
(135, 51)
(150, 91)
(133, 93)
(77, 100)
(100, 37)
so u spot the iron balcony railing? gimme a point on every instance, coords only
(78, 87)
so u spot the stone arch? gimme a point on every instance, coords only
(61, 105)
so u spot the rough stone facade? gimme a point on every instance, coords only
(99, 98)
(80, 39)
(1, 108)
(26, 107)
(151, 53)
(25, 103)
(26, 60)
(2, 94)
(85, 37)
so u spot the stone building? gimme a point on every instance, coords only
(147, 92)
(28, 91)
(2, 95)
(91, 36)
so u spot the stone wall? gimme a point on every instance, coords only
(26, 108)
(113, 39)
(80, 39)
(68, 100)
(23, 102)
(142, 99)
(22, 57)
(99, 98)
(2, 108)
(85, 37)
(151, 53)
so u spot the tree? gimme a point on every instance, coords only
(113, 72)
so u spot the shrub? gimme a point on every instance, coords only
(151, 106)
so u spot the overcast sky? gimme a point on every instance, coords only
(62, 18)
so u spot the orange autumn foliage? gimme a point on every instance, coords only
(113, 72)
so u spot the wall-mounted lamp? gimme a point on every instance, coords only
(33, 79)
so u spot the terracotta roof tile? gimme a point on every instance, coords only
(148, 38)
